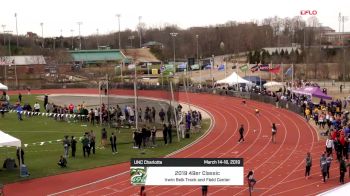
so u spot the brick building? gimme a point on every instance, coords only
(23, 65)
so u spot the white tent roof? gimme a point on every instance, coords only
(234, 79)
(8, 140)
(3, 87)
(273, 84)
(340, 190)
(24, 60)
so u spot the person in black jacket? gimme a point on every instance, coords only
(165, 136)
(73, 145)
(113, 140)
(22, 156)
(241, 133)
(342, 169)
(62, 162)
(204, 190)
(169, 130)
(144, 135)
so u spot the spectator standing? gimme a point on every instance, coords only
(104, 137)
(182, 130)
(138, 139)
(92, 116)
(19, 110)
(154, 132)
(97, 115)
(144, 135)
(71, 108)
(168, 113)
(46, 100)
(341, 88)
(342, 169)
(329, 145)
(148, 137)
(140, 114)
(162, 115)
(323, 166)
(113, 140)
(153, 114)
(308, 163)
(329, 161)
(66, 144)
(73, 144)
(20, 158)
(86, 147)
(165, 136)
(20, 98)
(92, 138)
(170, 135)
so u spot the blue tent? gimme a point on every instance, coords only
(207, 67)
(182, 66)
(221, 68)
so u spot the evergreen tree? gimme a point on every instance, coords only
(250, 56)
(281, 56)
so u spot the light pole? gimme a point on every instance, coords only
(174, 35)
(140, 33)
(211, 71)
(344, 18)
(72, 39)
(118, 15)
(222, 47)
(79, 23)
(16, 30)
(98, 45)
(42, 34)
(3, 28)
(9, 33)
(200, 68)
(131, 38)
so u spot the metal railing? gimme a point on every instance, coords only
(222, 92)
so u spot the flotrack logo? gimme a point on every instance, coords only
(308, 12)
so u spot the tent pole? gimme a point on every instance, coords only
(292, 79)
(176, 123)
(237, 76)
(20, 159)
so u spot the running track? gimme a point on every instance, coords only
(279, 168)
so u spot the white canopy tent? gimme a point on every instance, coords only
(8, 140)
(274, 86)
(233, 79)
(3, 87)
(340, 190)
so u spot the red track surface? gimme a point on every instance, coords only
(279, 168)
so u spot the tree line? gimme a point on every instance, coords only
(236, 37)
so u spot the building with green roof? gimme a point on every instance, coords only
(100, 56)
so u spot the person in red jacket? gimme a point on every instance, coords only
(334, 134)
(71, 108)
